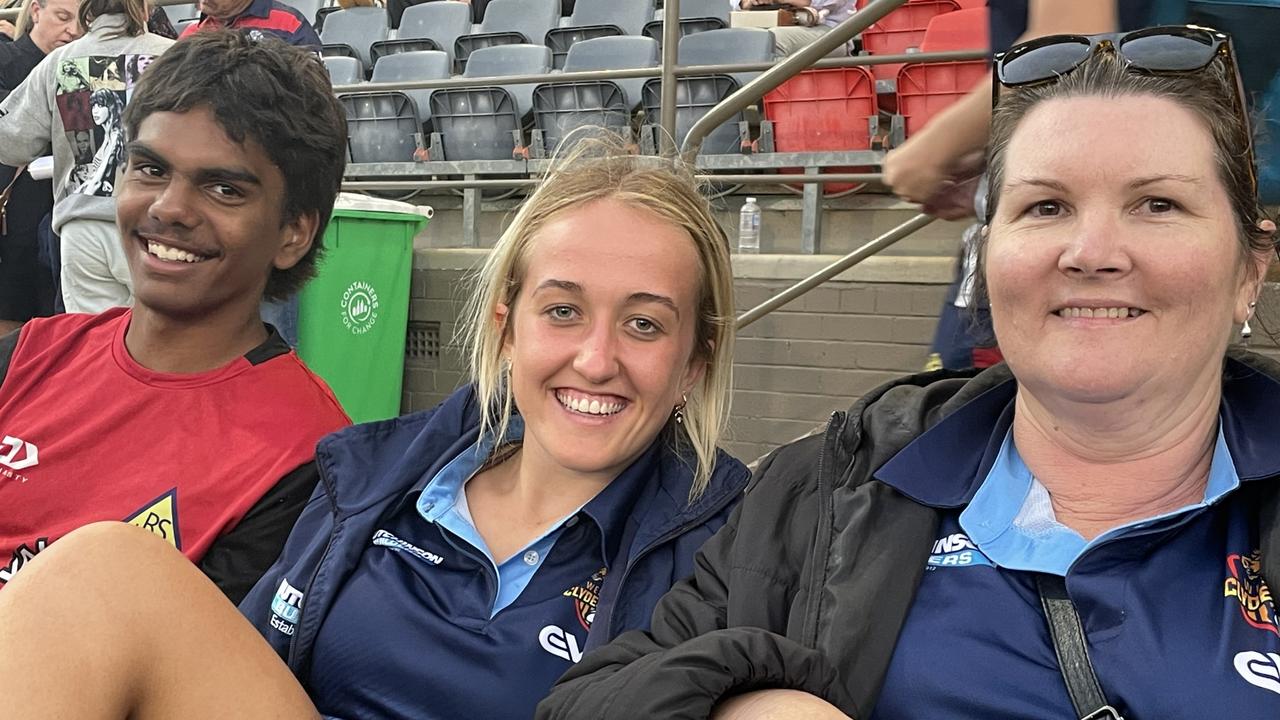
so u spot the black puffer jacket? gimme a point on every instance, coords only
(809, 584)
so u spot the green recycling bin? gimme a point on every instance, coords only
(353, 316)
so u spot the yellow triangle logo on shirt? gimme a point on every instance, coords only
(160, 517)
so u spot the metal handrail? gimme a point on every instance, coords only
(871, 248)
(796, 62)
(667, 91)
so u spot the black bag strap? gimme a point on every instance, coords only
(1073, 653)
(4, 198)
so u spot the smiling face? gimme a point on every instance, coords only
(202, 223)
(1113, 263)
(601, 335)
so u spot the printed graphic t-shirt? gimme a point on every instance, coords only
(88, 434)
(75, 98)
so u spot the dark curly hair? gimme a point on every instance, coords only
(269, 92)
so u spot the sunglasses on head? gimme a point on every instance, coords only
(1162, 50)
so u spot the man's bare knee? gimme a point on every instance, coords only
(93, 555)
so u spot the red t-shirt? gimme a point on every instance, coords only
(88, 434)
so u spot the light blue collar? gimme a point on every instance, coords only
(1012, 523)
(444, 502)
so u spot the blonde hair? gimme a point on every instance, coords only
(25, 22)
(596, 169)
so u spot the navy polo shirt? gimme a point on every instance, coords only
(430, 625)
(1178, 619)
(266, 16)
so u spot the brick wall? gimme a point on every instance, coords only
(793, 367)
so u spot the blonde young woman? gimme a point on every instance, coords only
(453, 562)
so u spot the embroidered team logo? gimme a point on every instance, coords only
(160, 517)
(586, 596)
(956, 550)
(382, 538)
(286, 607)
(1245, 584)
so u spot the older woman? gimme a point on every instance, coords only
(1102, 506)
(454, 562)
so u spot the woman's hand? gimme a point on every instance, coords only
(7, 28)
(776, 705)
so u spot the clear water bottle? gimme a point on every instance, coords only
(749, 227)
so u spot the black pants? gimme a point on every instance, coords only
(26, 287)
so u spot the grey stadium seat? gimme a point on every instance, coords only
(384, 48)
(688, 26)
(718, 9)
(475, 123)
(509, 22)
(595, 19)
(728, 46)
(344, 70)
(321, 14)
(560, 40)
(419, 65)
(695, 96)
(616, 53)
(357, 28)
(381, 126)
(511, 60)
(308, 8)
(561, 108)
(178, 13)
(630, 15)
(442, 21)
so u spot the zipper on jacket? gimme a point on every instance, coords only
(822, 544)
(333, 532)
(664, 538)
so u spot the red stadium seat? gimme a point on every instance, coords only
(960, 30)
(901, 30)
(823, 110)
(924, 89)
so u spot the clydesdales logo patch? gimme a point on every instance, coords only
(1245, 584)
(586, 596)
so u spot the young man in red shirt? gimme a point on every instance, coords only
(186, 414)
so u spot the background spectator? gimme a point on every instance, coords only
(26, 287)
(790, 39)
(68, 94)
(256, 16)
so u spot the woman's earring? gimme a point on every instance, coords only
(679, 413)
(1246, 332)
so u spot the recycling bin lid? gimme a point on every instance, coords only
(358, 202)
